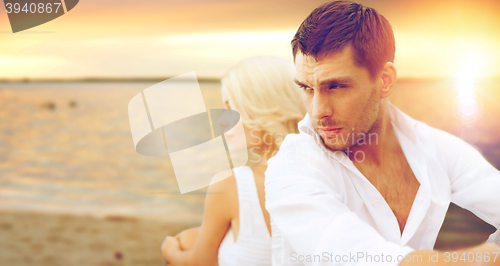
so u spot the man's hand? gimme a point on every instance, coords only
(427, 256)
(494, 238)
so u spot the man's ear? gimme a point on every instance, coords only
(388, 77)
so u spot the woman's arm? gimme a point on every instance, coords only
(221, 205)
(187, 238)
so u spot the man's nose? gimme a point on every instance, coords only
(322, 107)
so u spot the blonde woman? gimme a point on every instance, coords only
(236, 226)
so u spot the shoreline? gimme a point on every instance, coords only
(101, 214)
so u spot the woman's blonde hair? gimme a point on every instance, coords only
(262, 90)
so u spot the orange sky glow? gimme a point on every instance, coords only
(442, 39)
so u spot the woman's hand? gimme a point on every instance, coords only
(169, 247)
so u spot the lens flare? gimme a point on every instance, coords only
(467, 107)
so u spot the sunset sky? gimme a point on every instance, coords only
(153, 38)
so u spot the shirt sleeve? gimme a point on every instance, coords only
(312, 219)
(475, 183)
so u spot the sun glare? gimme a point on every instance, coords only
(467, 106)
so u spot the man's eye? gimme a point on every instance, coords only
(333, 87)
(305, 88)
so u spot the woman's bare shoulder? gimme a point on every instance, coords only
(226, 185)
(225, 194)
(221, 199)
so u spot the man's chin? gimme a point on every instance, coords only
(335, 147)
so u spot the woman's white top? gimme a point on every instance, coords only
(253, 245)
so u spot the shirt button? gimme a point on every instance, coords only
(376, 203)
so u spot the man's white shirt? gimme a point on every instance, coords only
(325, 212)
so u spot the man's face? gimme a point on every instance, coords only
(340, 97)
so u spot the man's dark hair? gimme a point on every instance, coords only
(332, 26)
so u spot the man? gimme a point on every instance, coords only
(364, 183)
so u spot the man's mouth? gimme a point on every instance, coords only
(329, 131)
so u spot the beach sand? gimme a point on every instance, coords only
(51, 239)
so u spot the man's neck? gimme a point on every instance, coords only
(382, 138)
